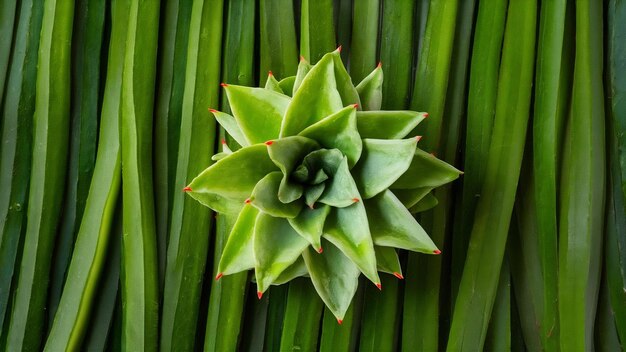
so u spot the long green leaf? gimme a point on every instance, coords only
(364, 38)
(278, 51)
(7, 19)
(302, 317)
(317, 30)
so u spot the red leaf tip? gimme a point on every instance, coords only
(302, 59)
(418, 138)
(247, 201)
(436, 251)
(269, 142)
(356, 106)
(259, 294)
(425, 115)
(379, 286)
(187, 189)
(339, 321)
(399, 276)
(339, 48)
(213, 111)
(218, 276)
(270, 73)
(223, 84)
(380, 64)
(223, 141)
(356, 200)
(320, 250)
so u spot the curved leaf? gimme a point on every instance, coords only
(426, 171)
(388, 261)
(273, 84)
(295, 270)
(230, 125)
(387, 124)
(341, 190)
(287, 154)
(286, 85)
(310, 224)
(265, 197)
(410, 197)
(313, 194)
(345, 87)
(238, 254)
(428, 202)
(303, 69)
(371, 90)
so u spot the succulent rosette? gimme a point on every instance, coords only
(320, 188)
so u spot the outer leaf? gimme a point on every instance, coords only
(230, 125)
(428, 202)
(265, 198)
(410, 197)
(258, 111)
(334, 276)
(382, 163)
(271, 260)
(388, 261)
(287, 154)
(347, 91)
(341, 191)
(371, 90)
(388, 124)
(225, 185)
(303, 69)
(295, 270)
(392, 225)
(286, 85)
(426, 171)
(238, 254)
(310, 224)
(273, 84)
(315, 99)
(338, 131)
(347, 228)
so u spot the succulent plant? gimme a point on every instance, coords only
(321, 188)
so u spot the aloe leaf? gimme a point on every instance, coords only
(426, 171)
(303, 69)
(338, 131)
(334, 276)
(258, 111)
(317, 31)
(392, 225)
(229, 123)
(238, 253)
(287, 85)
(410, 197)
(388, 261)
(265, 198)
(347, 228)
(499, 332)
(428, 202)
(370, 89)
(47, 179)
(310, 224)
(345, 87)
(387, 124)
(270, 260)
(382, 163)
(364, 40)
(341, 191)
(228, 183)
(277, 36)
(301, 324)
(272, 84)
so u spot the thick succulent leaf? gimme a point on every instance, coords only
(286, 85)
(341, 190)
(371, 90)
(273, 84)
(345, 87)
(339, 131)
(303, 69)
(265, 198)
(225, 185)
(238, 253)
(426, 203)
(387, 124)
(334, 276)
(295, 270)
(276, 246)
(230, 125)
(327, 160)
(315, 99)
(348, 229)
(410, 197)
(287, 154)
(388, 261)
(426, 171)
(313, 193)
(392, 225)
(259, 112)
(382, 163)
(310, 224)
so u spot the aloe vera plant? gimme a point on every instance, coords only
(321, 189)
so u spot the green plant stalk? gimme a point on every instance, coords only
(16, 151)
(51, 125)
(380, 320)
(139, 275)
(277, 35)
(396, 50)
(302, 317)
(87, 262)
(317, 30)
(499, 331)
(481, 106)
(86, 94)
(168, 108)
(583, 186)
(343, 23)
(479, 282)
(275, 316)
(7, 19)
(365, 24)
(190, 222)
(605, 336)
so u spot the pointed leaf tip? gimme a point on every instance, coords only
(223, 84)
(269, 143)
(213, 111)
(320, 250)
(302, 59)
(223, 141)
(356, 200)
(356, 106)
(339, 48)
(418, 138)
(218, 276)
(187, 189)
(248, 201)
(379, 286)
(436, 251)
(259, 294)
(380, 64)
(339, 321)
(398, 275)
(269, 73)
(425, 115)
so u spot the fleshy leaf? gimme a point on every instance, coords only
(410, 197)
(230, 125)
(392, 225)
(225, 185)
(347, 228)
(382, 163)
(371, 90)
(339, 131)
(303, 69)
(341, 191)
(387, 124)
(286, 84)
(313, 193)
(265, 198)
(334, 276)
(327, 160)
(315, 99)
(345, 87)
(387, 260)
(276, 246)
(310, 224)
(295, 270)
(287, 154)
(259, 112)
(426, 171)
(273, 85)
(427, 203)
(238, 253)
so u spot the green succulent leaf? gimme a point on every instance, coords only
(341, 190)
(273, 84)
(303, 69)
(334, 276)
(287, 154)
(230, 125)
(276, 247)
(388, 261)
(382, 163)
(426, 171)
(348, 229)
(410, 197)
(392, 225)
(316, 98)
(371, 90)
(238, 253)
(313, 194)
(286, 85)
(258, 111)
(225, 185)
(265, 197)
(310, 224)
(426, 203)
(295, 270)
(345, 87)
(339, 131)
(327, 160)
(387, 124)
